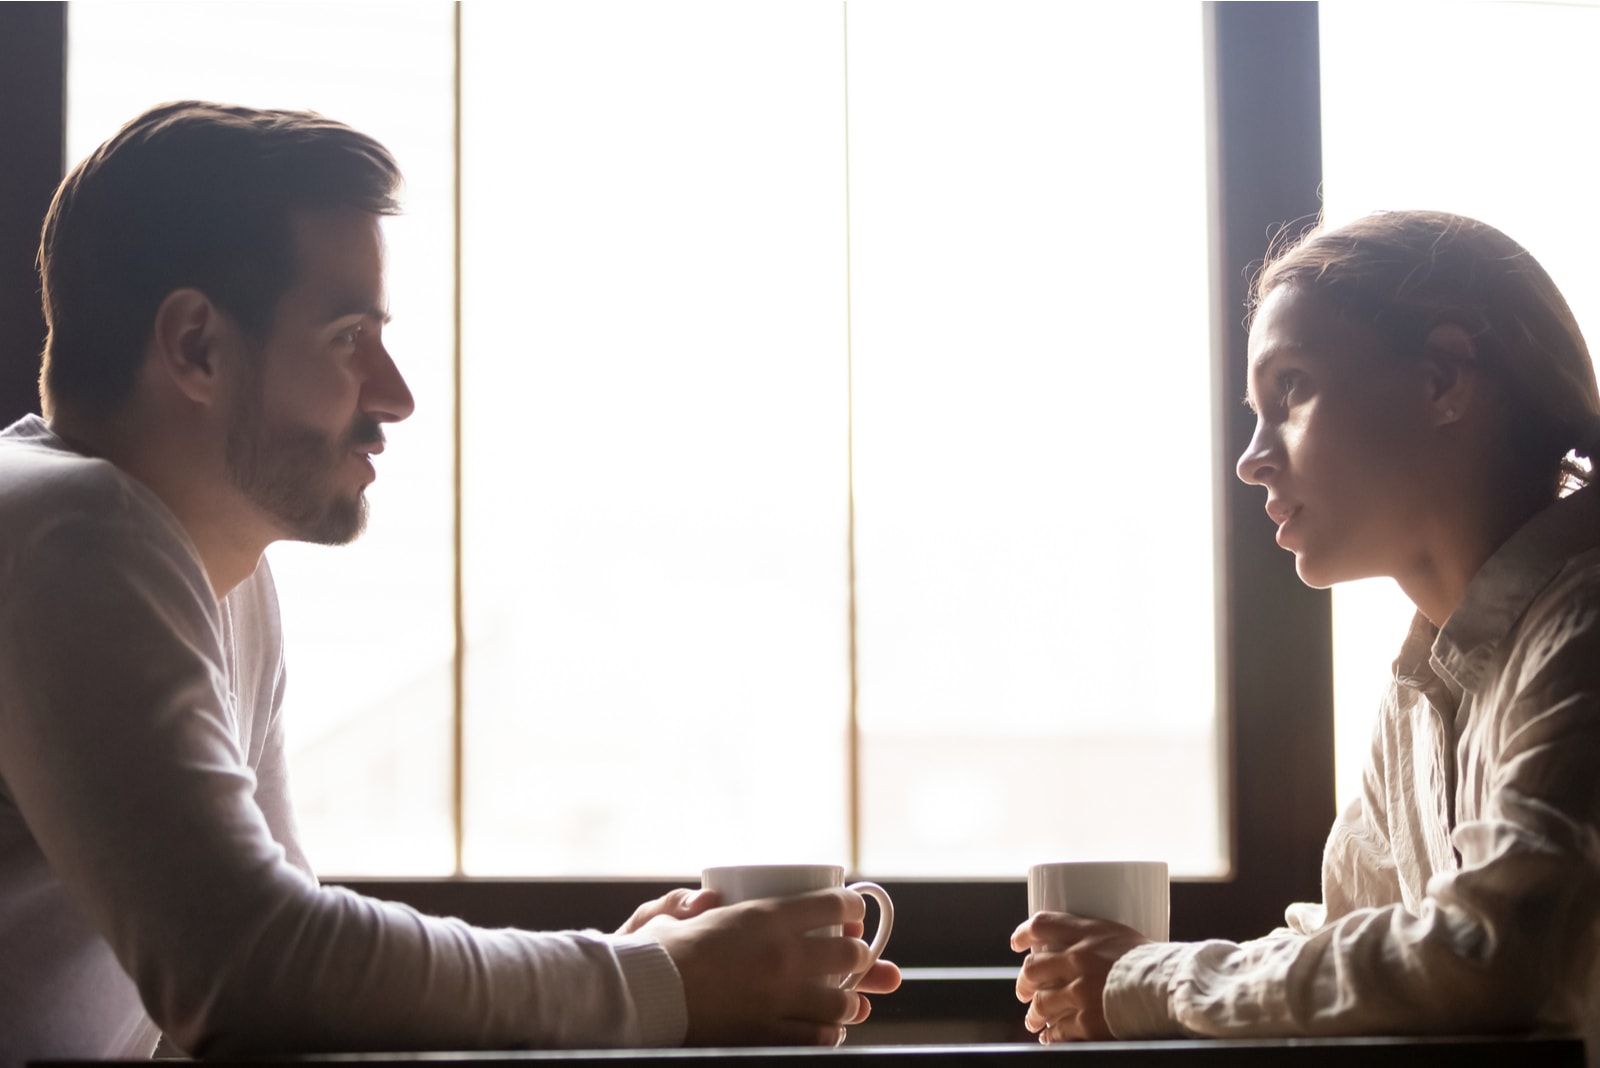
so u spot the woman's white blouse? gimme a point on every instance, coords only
(1461, 890)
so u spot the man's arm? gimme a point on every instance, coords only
(119, 751)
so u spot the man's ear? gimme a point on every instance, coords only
(1450, 368)
(189, 343)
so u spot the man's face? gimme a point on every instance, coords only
(1339, 442)
(305, 422)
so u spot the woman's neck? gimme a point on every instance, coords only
(1437, 579)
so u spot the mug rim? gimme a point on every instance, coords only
(1098, 864)
(772, 867)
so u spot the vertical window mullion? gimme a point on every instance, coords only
(458, 661)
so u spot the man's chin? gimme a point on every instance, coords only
(347, 520)
(340, 523)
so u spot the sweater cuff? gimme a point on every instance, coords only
(1137, 993)
(655, 988)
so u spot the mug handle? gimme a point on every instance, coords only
(880, 938)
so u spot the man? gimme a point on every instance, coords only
(215, 380)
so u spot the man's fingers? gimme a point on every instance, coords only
(802, 1033)
(834, 956)
(694, 902)
(882, 978)
(675, 903)
(835, 906)
(679, 904)
(817, 1003)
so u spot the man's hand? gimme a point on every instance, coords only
(679, 904)
(1064, 976)
(753, 976)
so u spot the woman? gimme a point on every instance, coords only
(1421, 391)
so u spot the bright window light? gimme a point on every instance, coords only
(368, 627)
(715, 279)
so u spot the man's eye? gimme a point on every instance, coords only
(349, 336)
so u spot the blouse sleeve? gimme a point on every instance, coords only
(1506, 941)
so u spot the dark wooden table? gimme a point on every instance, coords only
(1464, 1052)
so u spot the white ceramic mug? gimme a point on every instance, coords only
(1131, 892)
(750, 882)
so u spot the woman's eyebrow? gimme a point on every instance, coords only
(1255, 368)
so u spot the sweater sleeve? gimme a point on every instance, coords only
(254, 610)
(1507, 941)
(116, 742)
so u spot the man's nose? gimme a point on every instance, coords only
(386, 396)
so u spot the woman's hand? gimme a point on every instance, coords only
(1064, 977)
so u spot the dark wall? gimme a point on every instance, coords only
(32, 124)
(1275, 667)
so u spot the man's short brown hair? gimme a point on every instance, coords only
(187, 195)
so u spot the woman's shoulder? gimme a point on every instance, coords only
(1572, 597)
(1556, 645)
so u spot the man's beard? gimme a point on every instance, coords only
(287, 470)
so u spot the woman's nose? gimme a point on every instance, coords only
(1257, 462)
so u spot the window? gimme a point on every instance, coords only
(1032, 460)
(695, 317)
(681, 359)
(369, 628)
(1515, 150)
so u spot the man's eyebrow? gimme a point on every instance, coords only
(363, 308)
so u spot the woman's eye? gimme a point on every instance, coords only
(1289, 382)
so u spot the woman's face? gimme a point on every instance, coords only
(1341, 438)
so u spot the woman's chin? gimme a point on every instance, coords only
(1314, 574)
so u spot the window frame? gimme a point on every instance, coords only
(33, 121)
(1275, 684)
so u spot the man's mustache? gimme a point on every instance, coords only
(365, 431)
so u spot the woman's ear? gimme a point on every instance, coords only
(186, 344)
(1450, 368)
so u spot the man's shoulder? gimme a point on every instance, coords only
(45, 487)
(69, 522)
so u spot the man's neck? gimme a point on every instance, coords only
(217, 519)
